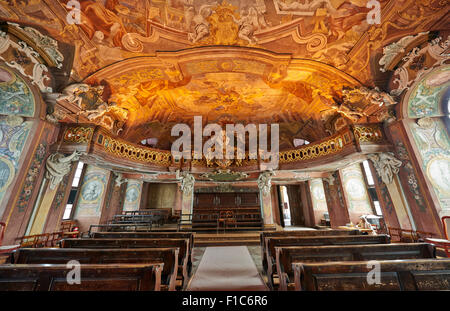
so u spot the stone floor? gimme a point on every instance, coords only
(255, 253)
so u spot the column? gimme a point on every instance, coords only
(57, 166)
(264, 185)
(306, 204)
(337, 207)
(187, 188)
(115, 198)
(385, 168)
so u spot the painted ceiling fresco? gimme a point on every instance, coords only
(285, 61)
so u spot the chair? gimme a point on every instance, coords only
(227, 218)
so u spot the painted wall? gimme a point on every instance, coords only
(430, 135)
(433, 144)
(318, 199)
(162, 195)
(132, 195)
(355, 192)
(12, 141)
(91, 197)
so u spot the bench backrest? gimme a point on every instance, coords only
(116, 277)
(332, 232)
(410, 274)
(271, 243)
(286, 256)
(169, 256)
(144, 235)
(184, 257)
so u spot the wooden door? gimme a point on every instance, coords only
(295, 204)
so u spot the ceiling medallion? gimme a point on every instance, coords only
(224, 175)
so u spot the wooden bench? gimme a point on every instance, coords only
(409, 236)
(111, 277)
(182, 244)
(272, 242)
(264, 235)
(128, 227)
(168, 256)
(403, 275)
(286, 256)
(150, 235)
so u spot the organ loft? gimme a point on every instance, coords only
(230, 145)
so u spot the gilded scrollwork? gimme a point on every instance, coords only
(93, 107)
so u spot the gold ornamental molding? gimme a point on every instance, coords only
(99, 142)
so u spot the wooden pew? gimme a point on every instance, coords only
(111, 277)
(286, 256)
(168, 256)
(272, 242)
(150, 235)
(404, 275)
(264, 235)
(182, 244)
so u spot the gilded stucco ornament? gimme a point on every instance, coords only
(386, 165)
(57, 166)
(118, 179)
(187, 182)
(264, 182)
(93, 107)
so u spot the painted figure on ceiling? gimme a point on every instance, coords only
(98, 17)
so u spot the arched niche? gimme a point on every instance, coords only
(425, 109)
(20, 114)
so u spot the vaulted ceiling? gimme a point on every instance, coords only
(234, 61)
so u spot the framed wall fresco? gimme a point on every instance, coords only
(318, 195)
(132, 195)
(16, 98)
(12, 141)
(92, 192)
(429, 101)
(426, 98)
(355, 190)
(433, 143)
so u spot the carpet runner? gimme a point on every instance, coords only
(229, 268)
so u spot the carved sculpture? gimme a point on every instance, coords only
(363, 96)
(58, 165)
(89, 100)
(201, 28)
(264, 182)
(119, 180)
(330, 179)
(187, 182)
(386, 164)
(248, 23)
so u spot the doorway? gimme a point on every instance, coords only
(285, 207)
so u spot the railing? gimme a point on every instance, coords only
(97, 140)
(45, 239)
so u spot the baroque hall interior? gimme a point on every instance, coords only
(345, 111)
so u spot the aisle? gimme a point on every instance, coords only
(226, 268)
